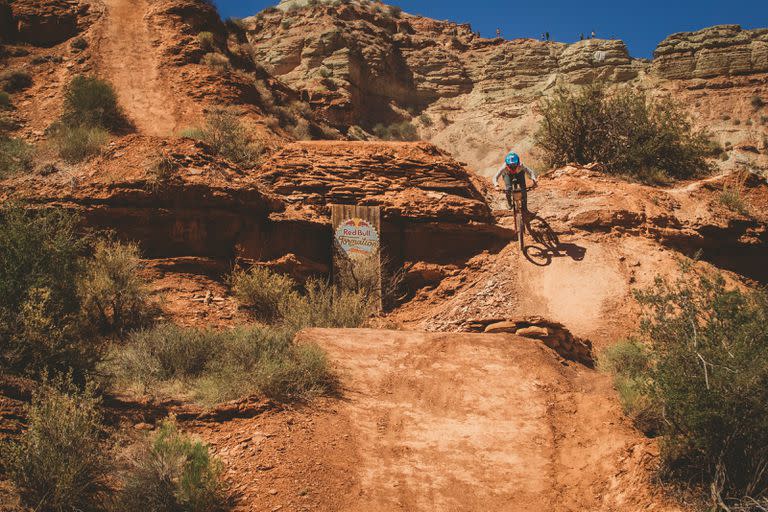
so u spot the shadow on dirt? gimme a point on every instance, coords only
(547, 244)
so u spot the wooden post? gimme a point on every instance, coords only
(357, 247)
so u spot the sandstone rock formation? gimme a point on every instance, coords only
(714, 51)
(46, 22)
(363, 63)
(411, 181)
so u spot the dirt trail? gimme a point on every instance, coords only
(457, 422)
(130, 62)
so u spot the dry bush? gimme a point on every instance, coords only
(161, 170)
(226, 135)
(15, 81)
(15, 156)
(207, 41)
(404, 131)
(216, 61)
(56, 464)
(78, 143)
(174, 473)
(221, 365)
(628, 132)
(5, 100)
(263, 291)
(326, 305)
(113, 294)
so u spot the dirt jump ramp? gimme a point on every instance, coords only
(460, 422)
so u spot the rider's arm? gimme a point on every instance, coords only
(498, 175)
(531, 173)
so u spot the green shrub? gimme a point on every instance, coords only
(174, 473)
(394, 11)
(628, 132)
(15, 156)
(224, 133)
(629, 361)
(40, 326)
(707, 370)
(56, 464)
(91, 102)
(216, 61)
(263, 291)
(397, 131)
(5, 100)
(15, 81)
(207, 41)
(78, 143)
(221, 365)
(113, 293)
(426, 120)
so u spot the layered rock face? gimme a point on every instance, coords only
(46, 22)
(353, 59)
(432, 208)
(367, 63)
(176, 198)
(714, 51)
(409, 181)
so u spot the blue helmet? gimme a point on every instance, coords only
(512, 159)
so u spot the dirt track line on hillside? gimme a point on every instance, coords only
(130, 62)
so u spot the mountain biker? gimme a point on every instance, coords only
(514, 172)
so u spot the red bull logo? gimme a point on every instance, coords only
(357, 237)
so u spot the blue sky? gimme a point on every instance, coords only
(641, 24)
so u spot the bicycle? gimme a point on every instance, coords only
(517, 210)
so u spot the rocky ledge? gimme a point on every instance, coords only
(714, 51)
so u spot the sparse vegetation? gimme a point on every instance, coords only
(426, 120)
(263, 291)
(56, 464)
(732, 197)
(397, 131)
(703, 370)
(626, 131)
(174, 472)
(227, 137)
(15, 156)
(757, 102)
(216, 61)
(91, 102)
(15, 81)
(207, 41)
(325, 305)
(5, 100)
(161, 170)
(218, 365)
(78, 44)
(113, 294)
(77, 143)
(395, 11)
(40, 325)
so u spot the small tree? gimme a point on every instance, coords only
(705, 370)
(628, 132)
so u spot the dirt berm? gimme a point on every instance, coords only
(473, 422)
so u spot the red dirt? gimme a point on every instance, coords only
(442, 422)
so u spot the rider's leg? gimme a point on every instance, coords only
(520, 179)
(508, 193)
